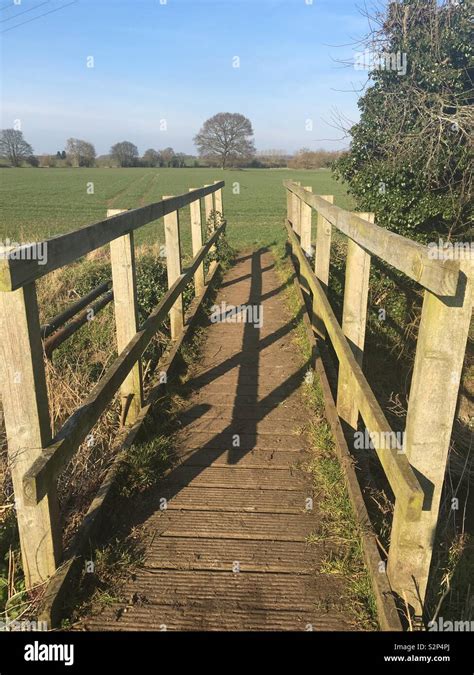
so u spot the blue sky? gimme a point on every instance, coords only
(174, 62)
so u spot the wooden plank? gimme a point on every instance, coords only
(124, 282)
(322, 254)
(219, 207)
(289, 207)
(410, 257)
(173, 268)
(28, 427)
(210, 217)
(66, 248)
(441, 345)
(305, 224)
(209, 211)
(354, 318)
(400, 475)
(47, 468)
(196, 236)
(296, 214)
(322, 258)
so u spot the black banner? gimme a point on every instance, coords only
(83, 652)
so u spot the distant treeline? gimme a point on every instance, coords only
(16, 151)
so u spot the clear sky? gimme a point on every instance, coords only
(174, 60)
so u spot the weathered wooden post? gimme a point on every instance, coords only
(122, 256)
(210, 215)
(305, 241)
(354, 319)
(322, 259)
(289, 215)
(196, 237)
(218, 203)
(289, 207)
(305, 225)
(442, 338)
(28, 428)
(209, 210)
(173, 266)
(296, 212)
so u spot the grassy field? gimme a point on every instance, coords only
(40, 203)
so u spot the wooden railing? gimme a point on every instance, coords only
(415, 469)
(35, 458)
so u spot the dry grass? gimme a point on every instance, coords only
(75, 368)
(77, 365)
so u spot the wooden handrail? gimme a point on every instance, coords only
(48, 466)
(415, 468)
(410, 257)
(19, 266)
(400, 475)
(36, 459)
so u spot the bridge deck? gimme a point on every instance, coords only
(237, 508)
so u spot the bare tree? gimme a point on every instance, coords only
(226, 136)
(81, 153)
(125, 153)
(14, 147)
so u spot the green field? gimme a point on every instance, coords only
(40, 203)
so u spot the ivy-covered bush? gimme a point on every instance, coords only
(410, 159)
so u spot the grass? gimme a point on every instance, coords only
(40, 203)
(144, 465)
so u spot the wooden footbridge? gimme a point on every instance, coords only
(228, 529)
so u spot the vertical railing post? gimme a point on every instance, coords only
(122, 256)
(219, 212)
(441, 345)
(354, 319)
(290, 218)
(305, 213)
(289, 207)
(196, 237)
(322, 257)
(218, 202)
(305, 225)
(209, 211)
(173, 266)
(296, 212)
(28, 428)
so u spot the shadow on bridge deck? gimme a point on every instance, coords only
(231, 550)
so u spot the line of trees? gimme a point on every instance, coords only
(80, 153)
(225, 140)
(314, 159)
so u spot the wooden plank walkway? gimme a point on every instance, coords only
(231, 550)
